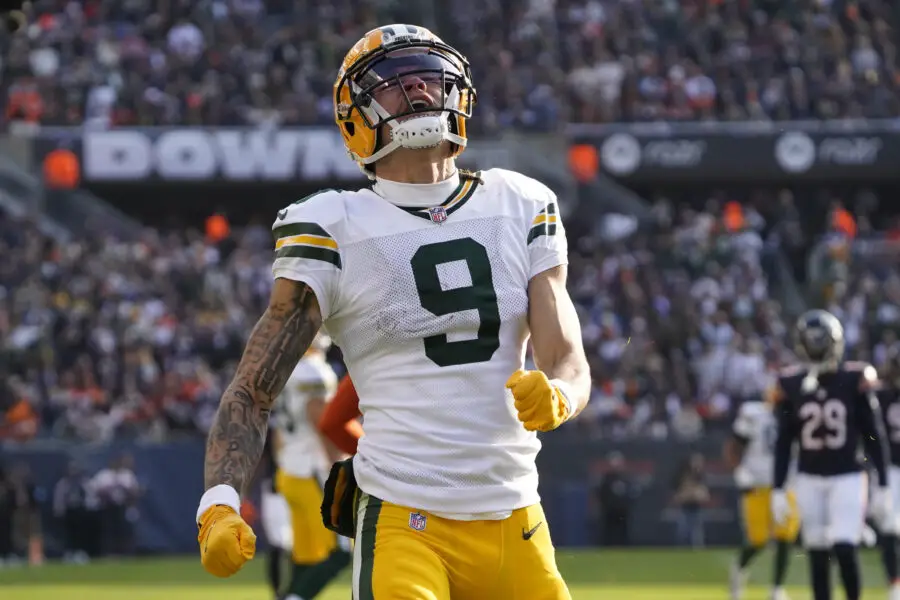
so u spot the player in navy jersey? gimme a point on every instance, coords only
(828, 407)
(889, 400)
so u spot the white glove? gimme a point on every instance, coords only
(743, 478)
(882, 507)
(781, 508)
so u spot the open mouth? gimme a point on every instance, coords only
(420, 104)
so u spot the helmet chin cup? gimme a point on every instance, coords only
(425, 131)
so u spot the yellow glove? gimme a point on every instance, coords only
(540, 404)
(226, 541)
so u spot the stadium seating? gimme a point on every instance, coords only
(108, 338)
(139, 339)
(537, 64)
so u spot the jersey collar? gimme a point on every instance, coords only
(430, 206)
(416, 195)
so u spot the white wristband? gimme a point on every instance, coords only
(219, 494)
(565, 391)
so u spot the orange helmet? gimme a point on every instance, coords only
(380, 60)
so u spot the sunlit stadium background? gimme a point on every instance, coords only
(721, 165)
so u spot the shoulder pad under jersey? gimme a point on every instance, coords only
(324, 208)
(525, 188)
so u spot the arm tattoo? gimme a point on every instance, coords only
(276, 344)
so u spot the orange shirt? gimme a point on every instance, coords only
(20, 422)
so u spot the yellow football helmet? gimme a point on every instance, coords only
(380, 60)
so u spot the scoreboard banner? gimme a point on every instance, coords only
(634, 153)
(162, 155)
(196, 155)
(746, 151)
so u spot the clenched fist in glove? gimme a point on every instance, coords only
(541, 404)
(226, 541)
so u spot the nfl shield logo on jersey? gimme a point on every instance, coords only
(417, 521)
(437, 214)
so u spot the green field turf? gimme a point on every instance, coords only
(628, 575)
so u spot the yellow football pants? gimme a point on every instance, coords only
(312, 542)
(404, 554)
(759, 526)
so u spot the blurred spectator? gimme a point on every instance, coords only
(691, 495)
(20, 523)
(614, 497)
(7, 507)
(71, 502)
(118, 491)
(18, 420)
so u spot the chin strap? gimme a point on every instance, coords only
(414, 132)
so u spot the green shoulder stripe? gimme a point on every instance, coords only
(311, 253)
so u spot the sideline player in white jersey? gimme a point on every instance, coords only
(275, 517)
(431, 282)
(750, 452)
(303, 458)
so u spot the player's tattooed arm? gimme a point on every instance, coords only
(556, 334)
(275, 346)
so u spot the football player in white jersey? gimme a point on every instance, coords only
(431, 282)
(303, 457)
(275, 518)
(750, 452)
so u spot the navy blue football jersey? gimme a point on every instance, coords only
(829, 416)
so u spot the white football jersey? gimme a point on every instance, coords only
(429, 307)
(302, 453)
(756, 424)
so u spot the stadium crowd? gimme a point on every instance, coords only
(539, 63)
(102, 338)
(688, 323)
(106, 338)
